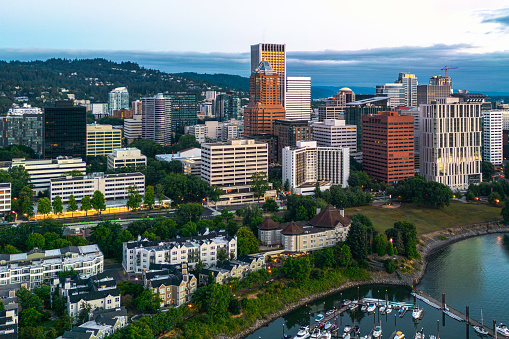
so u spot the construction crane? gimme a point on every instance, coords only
(447, 68)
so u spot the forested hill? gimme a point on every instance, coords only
(224, 80)
(46, 81)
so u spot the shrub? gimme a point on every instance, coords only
(390, 267)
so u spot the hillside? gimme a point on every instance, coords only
(41, 82)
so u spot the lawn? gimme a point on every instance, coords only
(428, 219)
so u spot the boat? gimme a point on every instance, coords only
(325, 335)
(433, 337)
(377, 332)
(480, 329)
(303, 333)
(353, 306)
(347, 329)
(388, 310)
(366, 337)
(319, 317)
(419, 334)
(329, 312)
(382, 310)
(327, 326)
(320, 325)
(315, 334)
(347, 302)
(371, 308)
(502, 329)
(417, 313)
(402, 311)
(364, 308)
(399, 335)
(346, 336)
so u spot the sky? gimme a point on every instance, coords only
(338, 43)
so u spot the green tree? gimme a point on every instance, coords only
(504, 213)
(217, 301)
(30, 317)
(270, 205)
(44, 206)
(247, 242)
(324, 258)
(44, 294)
(85, 309)
(343, 255)
(286, 186)
(134, 200)
(495, 198)
(149, 198)
(72, 204)
(188, 212)
(487, 171)
(86, 204)
(73, 173)
(148, 301)
(24, 204)
(97, 201)
(436, 195)
(36, 240)
(299, 268)
(471, 196)
(357, 241)
(19, 179)
(380, 245)
(27, 299)
(58, 207)
(301, 214)
(260, 184)
(9, 249)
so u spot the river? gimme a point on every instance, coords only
(470, 272)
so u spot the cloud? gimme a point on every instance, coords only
(500, 17)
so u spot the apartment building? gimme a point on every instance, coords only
(126, 157)
(335, 133)
(492, 134)
(173, 283)
(5, 197)
(236, 269)
(104, 322)
(9, 324)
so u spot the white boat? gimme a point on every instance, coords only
(382, 309)
(315, 334)
(364, 308)
(388, 310)
(420, 334)
(303, 333)
(377, 332)
(502, 329)
(433, 337)
(347, 302)
(319, 318)
(346, 336)
(417, 313)
(327, 326)
(371, 308)
(347, 329)
(325, 335)
(399, 335)
(480, 329)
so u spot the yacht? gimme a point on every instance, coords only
(347, 329)
(377, 332)
(480, 330)
(383, 310)
(325, 335)
(502, 329)
(303, 333)
(353, 305)
(319, 318)
(388, 310)
(315, 334)
(399, 335)
(329, 312)
(417, 313)
(364, 308)
(347, 302)
(420, 334)
(371, 308)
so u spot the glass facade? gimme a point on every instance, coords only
(183, 111)
(65, 131)
(26, 130)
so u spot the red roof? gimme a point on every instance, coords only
(268, 224)
(292, 229)
(329, 217)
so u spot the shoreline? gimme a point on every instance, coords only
(429, 244)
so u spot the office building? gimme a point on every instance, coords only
(112, 186)
(334, 107)
(272, 141)
(184, 110)
(388, 146)
(438, 87)
(335, 133)
(492, 134)
(133, 128)
(123, 113)
(355, 110)
(126, 157)
(137, 107)
(65, 130)
(275, 55)
(23, 126)
(395, 93)
(264, 101)
(214, 130)
(118, 99)
(189, 158)
(414, 112)
(298, 98)
(288, 132)
(100, 110)
(102, 139)
(226, 106)
(156, 119)
(410, 84)
(451, 143)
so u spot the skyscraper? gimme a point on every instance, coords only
(438, 87)
(275, 54)
(288, 132)
(65, 130)
(492, 137)
(298, 98)
(184, 110)
(226, 106)
(23, 126)
(410, 83)
(335, 107)
(118, 99)
(156, 119)
(395, 92)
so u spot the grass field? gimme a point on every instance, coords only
(428, 219)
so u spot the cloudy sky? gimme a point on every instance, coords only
(337, 43)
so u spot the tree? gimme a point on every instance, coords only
(24, 204)
(188, 212)
(36, 240)
(9, 249)
(30, 317)
(216, 301)
(134, 200)
(19, 179)
(487, 171)
(299, 268)
(159, 192)
(97, 201)
(504, 213)
(301, 214)
(357, 241)
(436, 195)
(148, 301)
(85, 309)
(247, 243)
(86, 204)
(471, 196)
(149, 198)
(44, 206)
(324, 258)
(343, 255)
(494, 198)
(259, 184)
(57, 205)
(72, 204)
(72, 173)
(286, 186)
(270, 205)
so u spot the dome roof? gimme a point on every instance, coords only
(345, 89)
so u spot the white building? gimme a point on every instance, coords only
(450, 143)
(25, 109)
(42, 171)
(410, 84)
(5, 197)
(307, 164)
(492, 137)
(133, 128)
(100, 110)
(124, 157)
(214, 130)
(298, 98)
(118, 99)
(39, 267)
(137, 255)
(156, 121)
(190, 159)
(395, 92)
(113, 186)
(335, 133)
(104, 323)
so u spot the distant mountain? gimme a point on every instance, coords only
(222, 80)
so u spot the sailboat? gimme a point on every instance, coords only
(480, 329)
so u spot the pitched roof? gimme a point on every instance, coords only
(329, 218)
(292, 229)
(268, 224)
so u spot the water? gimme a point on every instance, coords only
(471, 272)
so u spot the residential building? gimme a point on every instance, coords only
(42, 171)
(133, 128)
(236, 269)
(355, 110)
(450, 143)
(335, 133)
(39, 267)
(5, 197)
(102, 139)
(414, 112)
(438, 87)
(334, 107)
(275, 54)
(173, 283)
(288, 132)
(9, 324)
(123, 113)
(23, 126)
(118, 99)
(156, 119)
(113, 186)
(126, 157)
(388, 146)
(395, 93)
(184, 110)
(104, 322)
(492, 135)
(307, 163)
(298, 98)
(137, 107)
(410, 84)
(326, 229)
(138, 255)
(100, 110)
(65, 130)
(264, 101)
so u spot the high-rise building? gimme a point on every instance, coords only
(334, 107)
(410, 83)
(492, 137)
(118, 99)
(288, 132)
(184, 110)
(102, 139)
(438, 87)
(388, 146)
(450, 143)
(226, 106)
(395, 93)
(275, 54)
(133, 128)
(414, 112)
(156, 119)
(23, 126)
(298, 98)
(335, 133)
(137, 107)
(65, 130)
(264, 101)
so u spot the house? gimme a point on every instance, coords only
(173, 283)
(102, 324)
